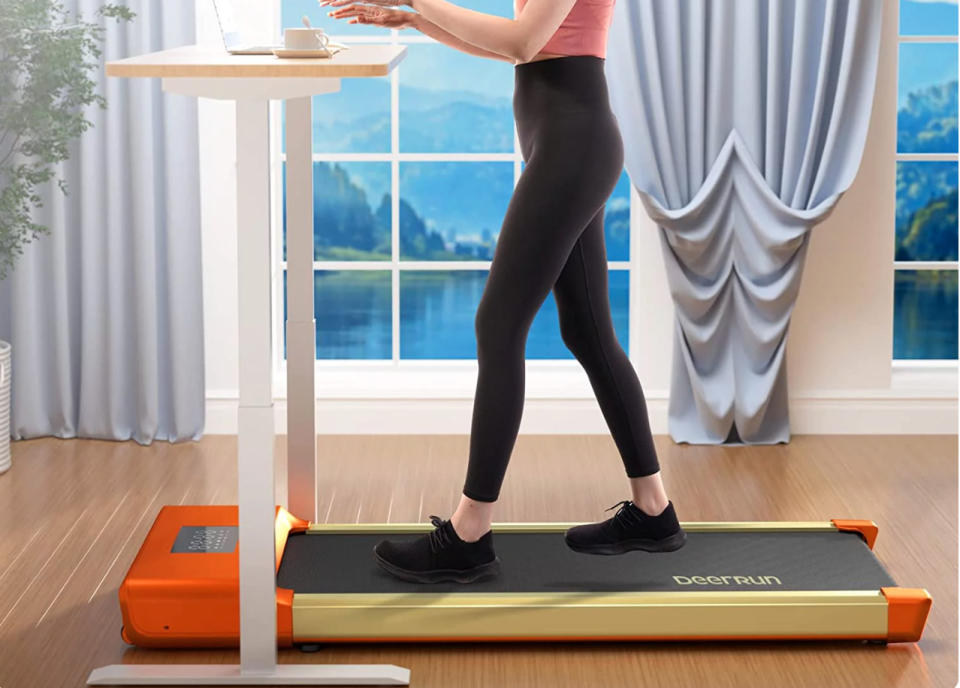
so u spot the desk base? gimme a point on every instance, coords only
(230, 675)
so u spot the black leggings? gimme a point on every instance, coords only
(552, 238)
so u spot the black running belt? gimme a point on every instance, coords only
(541, 562)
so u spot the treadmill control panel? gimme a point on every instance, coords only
(205, 540)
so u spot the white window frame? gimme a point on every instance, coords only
(908, 371)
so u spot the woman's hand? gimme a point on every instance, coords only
(379, 3)
(377, 16)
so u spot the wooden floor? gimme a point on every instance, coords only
(74, 512)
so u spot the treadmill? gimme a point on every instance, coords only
(731, 581)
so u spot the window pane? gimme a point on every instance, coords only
(438, 310)
(452, 210)
(502, 8)
(351, 210)
(451, 102)
(927, 98)
(927, 18)
(352, 309)
(926, 210)
(620, 306)
(925, 314)
(544, 340)
(355, 119)
(293, 10)
(616, 225)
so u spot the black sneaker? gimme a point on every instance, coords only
(439, 556)
(629, 529)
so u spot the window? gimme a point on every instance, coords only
(412, 176)
(925, 232)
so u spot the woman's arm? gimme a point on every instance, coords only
(427, 27)
(520, 38)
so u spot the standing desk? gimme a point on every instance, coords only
(252, 81)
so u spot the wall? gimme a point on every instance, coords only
(839, 349)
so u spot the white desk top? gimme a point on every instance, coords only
(364, 59)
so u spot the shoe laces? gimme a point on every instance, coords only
(625, 515)
(439, 537)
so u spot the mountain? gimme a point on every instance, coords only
(431, 121)
(346, 226)
(928, 122)
(918, 182)
(931, 233)
(415, 99)
(457, 126)
(926, 216)
(364, 134)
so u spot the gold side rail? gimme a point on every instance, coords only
(558, 527)
(584, 616)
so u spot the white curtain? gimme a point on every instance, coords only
(744, 122)
(105, 312)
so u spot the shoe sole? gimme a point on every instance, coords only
(488, 570)
(667, 544)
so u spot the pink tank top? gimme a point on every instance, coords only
(583, 31)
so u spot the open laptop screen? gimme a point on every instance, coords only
(228, 24)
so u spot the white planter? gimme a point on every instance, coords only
(4, 406)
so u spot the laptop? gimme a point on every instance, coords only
(232, 39)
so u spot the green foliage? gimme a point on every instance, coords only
(932, 231)
(47, 63)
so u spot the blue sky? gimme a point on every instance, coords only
(928, 17)
(925, 64)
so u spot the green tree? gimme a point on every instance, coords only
(47, 64)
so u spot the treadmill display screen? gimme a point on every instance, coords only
(205, 540)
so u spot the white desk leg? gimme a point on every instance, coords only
(301, 325)
(258, 603)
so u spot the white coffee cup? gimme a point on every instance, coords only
(305, 39)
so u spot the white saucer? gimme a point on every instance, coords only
(294, 52)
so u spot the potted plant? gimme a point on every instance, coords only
(48, 61)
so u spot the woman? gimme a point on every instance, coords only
(551, 238)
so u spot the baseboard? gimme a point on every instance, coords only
(809, 414)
